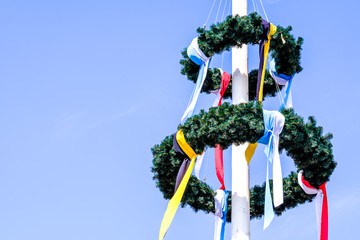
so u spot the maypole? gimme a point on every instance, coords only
(240, 210)
(238, 124)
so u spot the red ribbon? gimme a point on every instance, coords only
(324, 212)
(219, 165)
(225, 79)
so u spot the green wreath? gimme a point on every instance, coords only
(228, 124)
(235, 31)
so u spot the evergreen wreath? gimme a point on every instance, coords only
(228, 124)
(235, 31)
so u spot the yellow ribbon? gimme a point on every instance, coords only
(175, 200)
(266, 51)
(250, 150)
(184, 145)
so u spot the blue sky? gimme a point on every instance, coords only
(88, 87)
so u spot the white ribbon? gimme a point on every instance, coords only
(198, 163)
(220, 213)
(274, 122)
(318, 200)
(198, 57)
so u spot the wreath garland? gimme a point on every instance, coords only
(235, 31)
(228, 124)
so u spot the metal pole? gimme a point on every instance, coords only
(240, 211)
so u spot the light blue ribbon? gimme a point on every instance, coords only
(220, 212)
(274, 122)
(198, 57)
(281, 79)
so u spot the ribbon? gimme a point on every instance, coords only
(321, 206)
(225, 79)
(282, 79)
(249, 152)
(219, 165)
(198, 57)
(181, 146)
(264, 44)
(198, 164)
(274, 122)
(220, 213)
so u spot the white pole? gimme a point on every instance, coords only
(240, 211)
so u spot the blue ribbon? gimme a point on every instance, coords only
(198, 57)
(281, 79)
(274, 122)
(220, 212)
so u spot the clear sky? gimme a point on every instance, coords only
(88, 87)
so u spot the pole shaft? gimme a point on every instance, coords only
(240, 211)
